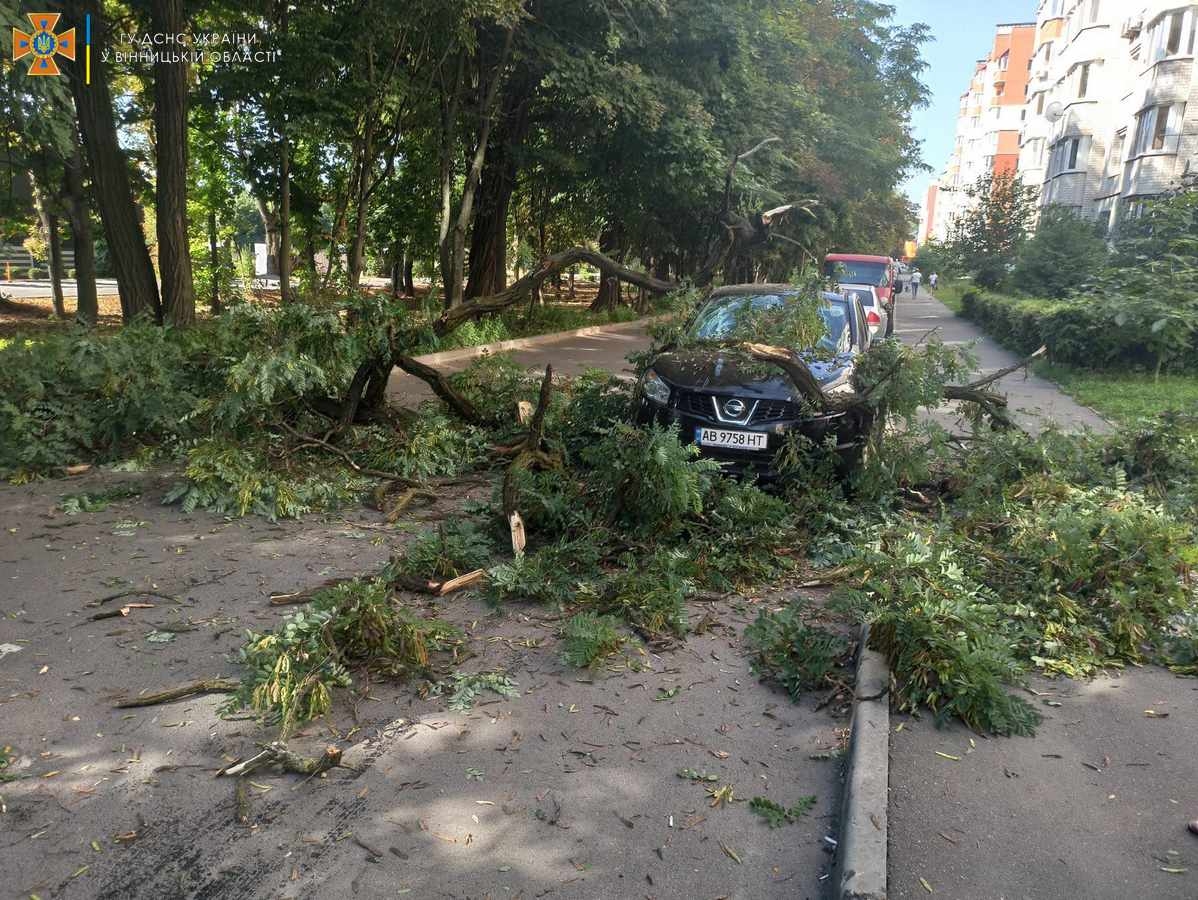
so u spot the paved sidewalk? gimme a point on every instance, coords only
(1036, 401)
(1095, 805)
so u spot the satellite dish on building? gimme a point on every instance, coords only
(1054, 111)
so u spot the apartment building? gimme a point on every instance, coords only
(989, 122)
(1110, 119)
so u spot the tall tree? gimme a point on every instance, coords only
(131, 264)
(170, 129)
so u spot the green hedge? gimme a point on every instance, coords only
(1090, 332)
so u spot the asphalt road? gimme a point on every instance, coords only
(1095, 805)
(18, 289)
(1017, 817)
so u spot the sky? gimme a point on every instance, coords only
(962, 33)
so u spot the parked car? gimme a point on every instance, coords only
(880, 272)
(740, 412)
(879, 316)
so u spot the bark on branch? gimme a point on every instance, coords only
(548, 267)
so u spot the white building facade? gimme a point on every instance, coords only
(1112, 113)
(989, 122)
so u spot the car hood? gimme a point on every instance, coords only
(721, 372)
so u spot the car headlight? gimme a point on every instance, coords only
(655, 388)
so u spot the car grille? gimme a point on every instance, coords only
(775, 411)
(698, 404)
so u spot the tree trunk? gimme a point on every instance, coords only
(110, 177)
(284, 188)
(170, 132)
(270, 226)
(49, 224)
(409, 283)
(56, 270)
(214, 262)
(87, 306)
(608, 297)
(455, 274)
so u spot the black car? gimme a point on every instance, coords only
(738, 411)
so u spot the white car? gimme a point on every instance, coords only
(878, 316)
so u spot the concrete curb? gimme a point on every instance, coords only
(540, 340)
(861, 853)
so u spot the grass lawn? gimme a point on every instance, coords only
(950, 293)
(1124, 397)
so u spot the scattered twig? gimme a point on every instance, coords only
(206, 686)
(132, 593)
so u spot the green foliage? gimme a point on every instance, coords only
(293, 670)
(1065, 253)
(776, 815)
(368, 625)
(76, 397)
(235, 479)
(1139, 312)
(6, 761)
(746, 536)
(434, 445)
(548, 575)
(941, 631)
(455, 547)
(987, 238)
(937, 258)
(649, 480)
(588, 639)
(95, 501)
(464, 689)
(649, 594)
(795, 655)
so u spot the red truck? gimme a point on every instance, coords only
(879, 272)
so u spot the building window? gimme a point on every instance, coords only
(1064, 156)
(1004, 61)
(1083, 79)
(1158, 129)
(1171, 34)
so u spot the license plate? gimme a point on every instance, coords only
(732, 440)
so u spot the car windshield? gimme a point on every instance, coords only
(858, 272)
(718, 319)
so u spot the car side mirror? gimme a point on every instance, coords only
(898, 287)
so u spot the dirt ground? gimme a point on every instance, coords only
(569, 790)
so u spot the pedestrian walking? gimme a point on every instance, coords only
(932, 279)
(916, 281)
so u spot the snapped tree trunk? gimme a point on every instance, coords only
(110, 177)
(170, 129)
(87, 306)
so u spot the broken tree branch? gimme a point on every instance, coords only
(1007, 370)
(194, 689)
(276, 753)
(439, 383)
(794, 367)
(550, 265)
